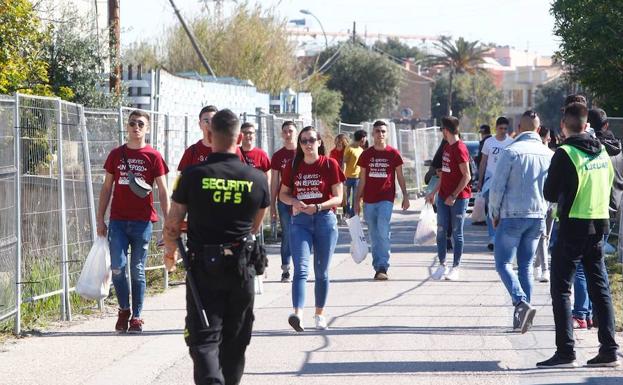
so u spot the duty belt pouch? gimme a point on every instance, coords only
(259, 258)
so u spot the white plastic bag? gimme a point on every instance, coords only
(95, 278)
(478, 212)
(358, 244)
(426, 231)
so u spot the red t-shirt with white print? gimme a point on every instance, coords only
(380, 167)
(453, 155)
(198, 153)
(312, 182)
(281, 158)
(256, 158)
(146, 163)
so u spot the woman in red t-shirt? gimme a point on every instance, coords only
(312, 185)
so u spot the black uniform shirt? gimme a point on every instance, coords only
(222, 196)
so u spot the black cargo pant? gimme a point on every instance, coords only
(568, 252)
(218, 352)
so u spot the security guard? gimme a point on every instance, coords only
(225, 200)
(579, 180)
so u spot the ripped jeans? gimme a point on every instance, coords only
(453, 216)
(136, 236)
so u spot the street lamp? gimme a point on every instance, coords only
(306, 12)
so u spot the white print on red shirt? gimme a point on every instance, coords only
(378, 168)
(445, 165)
(308, 186)
(136, 165)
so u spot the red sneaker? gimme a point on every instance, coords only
(579, 323)
(122, 320)
(136, 326)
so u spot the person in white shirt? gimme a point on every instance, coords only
(491, 151)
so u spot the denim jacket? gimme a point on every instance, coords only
(517, 186)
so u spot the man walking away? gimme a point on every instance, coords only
(579, 179)
(351, 170)
(518, 211)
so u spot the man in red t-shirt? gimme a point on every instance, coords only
(453, 192)
(380, 166)
(253, 156)
(278, 163)
(199, 151)
(131, 215)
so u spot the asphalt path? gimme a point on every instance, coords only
(407, 330)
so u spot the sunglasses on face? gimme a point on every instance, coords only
(134, 123)
(311, 140)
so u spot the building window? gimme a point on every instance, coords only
(530, 98)
(517, 98)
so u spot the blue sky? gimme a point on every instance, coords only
(524, 24)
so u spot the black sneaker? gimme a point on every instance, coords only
(295, 322)
(524, 314)
(603, 360)
(381, 275)
(448, 244)
(285, 276)
(557, 362)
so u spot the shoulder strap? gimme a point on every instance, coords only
(125, 158)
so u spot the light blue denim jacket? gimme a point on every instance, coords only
(517, 186)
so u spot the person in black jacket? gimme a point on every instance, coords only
(579, 180)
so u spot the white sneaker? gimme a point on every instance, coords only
(454, 274)
(321, 322)
(441, 272)
(544, 276)
(538, 274)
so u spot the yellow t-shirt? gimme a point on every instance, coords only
(351, 156)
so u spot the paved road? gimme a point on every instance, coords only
(408, 330)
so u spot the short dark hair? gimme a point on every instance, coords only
(288, 123)
(502, 120)
(597, 118)
(209, 108)
(139, 114)
(226, 123)
(246, 125)
(575, 98)
(450, 123)
(379, 123)
(575, 116)
(359, 134)
(485, 129)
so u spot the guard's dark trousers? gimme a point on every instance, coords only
(568, 252)
(218, 353)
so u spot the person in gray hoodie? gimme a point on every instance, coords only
(518, 209)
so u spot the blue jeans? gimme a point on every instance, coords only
(284, 220)
(316, 232)
(450, 217)
(517, 237)
(136, 236)
(582, 305)
(378, 216)
(351, 189)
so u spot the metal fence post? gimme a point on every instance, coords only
(17, 329)
(167, 128)
(65, 300)
(185, 131)
(418, 174)
(121, 126)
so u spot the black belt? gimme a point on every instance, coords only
(225, 249)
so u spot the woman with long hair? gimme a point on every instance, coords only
(312, 185)
(341, 142)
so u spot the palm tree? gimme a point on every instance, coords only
(459, 56)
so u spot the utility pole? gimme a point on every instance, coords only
(193, 41)
(114, 46)
(354, 31)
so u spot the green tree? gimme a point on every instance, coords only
(457, 57)
(22, 64)
(475, 98)
(549, 98)
(326, 103)
(251, 44)
(397, 49)
(592, 47)
(369, 82)
(75, 62)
